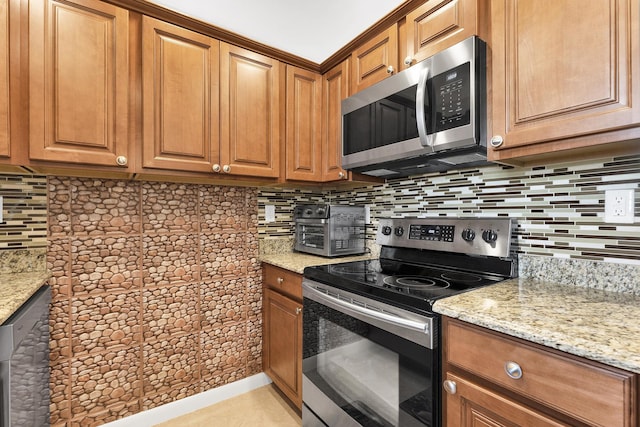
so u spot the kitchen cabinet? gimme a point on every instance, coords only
(564, 76)
(250, 96)
(78, 82)
(303, 124)
(282, 330)
(5, 144)
(493, 378)
(335, 88)
(439, 24)
(375, 59)
(180, 75)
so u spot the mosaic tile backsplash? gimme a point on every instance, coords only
(24, 225)
(559, 208)
(156, 294)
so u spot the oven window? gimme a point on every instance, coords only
(377, 378)
(311, 236)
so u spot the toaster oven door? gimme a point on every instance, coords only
(312, 236)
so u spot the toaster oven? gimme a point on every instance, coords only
(329, 230)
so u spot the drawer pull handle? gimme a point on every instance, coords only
(513, 370)
(450, 386)
(280, 280)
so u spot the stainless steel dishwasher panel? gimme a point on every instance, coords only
(24, 364)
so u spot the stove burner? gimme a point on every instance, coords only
(416, 282)
(461, 277)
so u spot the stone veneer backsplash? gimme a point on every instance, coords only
(156, 294)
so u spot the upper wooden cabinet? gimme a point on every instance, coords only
(5, 141)
(375, 60)
(335, 88)
(250, 96)
(78, 82)
(437, 25)
(303, 123)
(180, 76)
(566, 74)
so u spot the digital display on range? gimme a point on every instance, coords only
(442, 233)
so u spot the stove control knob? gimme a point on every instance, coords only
(489, 236)
(399, 231)
(468, 234)
(386, 230)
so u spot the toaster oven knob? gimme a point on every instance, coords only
(468, 234)
(320, 211)
(399, 231)
(308, 212)
(489, 236)
(386, 230)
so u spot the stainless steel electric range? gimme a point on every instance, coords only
(371, 345)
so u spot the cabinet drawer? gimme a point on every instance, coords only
(284, 281)
(590, 392)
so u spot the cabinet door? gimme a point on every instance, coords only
(283, 344)
(473, 405)
(375, 60)
(180, 73)
(5, 146)
(437, 25)
(335, 88)
(78, 100)
(563, 69)
(303, 118)
(250, 112)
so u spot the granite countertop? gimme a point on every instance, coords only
(17, 288)
(591, 323)
(296, 262)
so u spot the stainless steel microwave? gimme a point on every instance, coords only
(430, 117)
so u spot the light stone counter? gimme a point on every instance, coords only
(591, 323)
(16, 289)
(296, 262)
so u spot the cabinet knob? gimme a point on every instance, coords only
(280, 280)
(450, 386)
(226, 169)
(298, 310)
(496, 141)
(390, 69)
(216, 168)
(408, 61)
(513, 370)
(121, 161)
(342, 175)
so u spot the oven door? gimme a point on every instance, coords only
(366, 363)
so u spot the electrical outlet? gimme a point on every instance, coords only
(1, 210)
(619, 206)
(367, 214)
(269, 213)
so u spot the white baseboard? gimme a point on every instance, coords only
(192, 403)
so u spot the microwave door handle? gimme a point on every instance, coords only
(421, 94)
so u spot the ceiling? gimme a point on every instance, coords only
(311, 29)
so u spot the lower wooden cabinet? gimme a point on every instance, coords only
(493, 379)
(282, 331)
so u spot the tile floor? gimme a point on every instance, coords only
(262, 407)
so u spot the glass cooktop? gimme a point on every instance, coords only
(392, 281)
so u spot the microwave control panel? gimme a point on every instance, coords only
(451, 96)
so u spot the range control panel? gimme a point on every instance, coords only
(474, 236)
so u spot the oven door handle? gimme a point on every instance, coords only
(353, 308)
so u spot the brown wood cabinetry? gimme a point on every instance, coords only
(5, 144)
(335, 88)
(250, 96)
(437, 25)
(180, 76)
(303, 123)
(375, 60)
(78, 82)
(494, 377)
(282, 330)
(565, 75)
